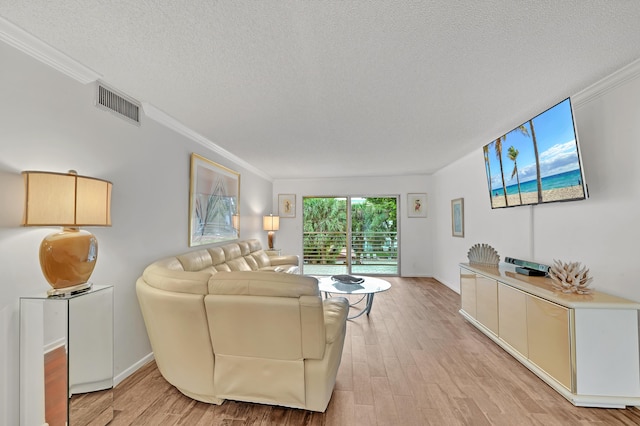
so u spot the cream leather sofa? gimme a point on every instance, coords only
(221, 331)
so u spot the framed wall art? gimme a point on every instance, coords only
(214, 203)
(287, 205)
(457, 217)
(417, 205)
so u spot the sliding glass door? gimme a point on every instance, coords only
(374, 235)
(350, 235)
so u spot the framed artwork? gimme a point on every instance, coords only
(214, 203)
(457, 217)
(287, 205)
(417, 205)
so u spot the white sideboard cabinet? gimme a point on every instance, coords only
(586, 347)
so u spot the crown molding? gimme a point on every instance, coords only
(610, 82)
(38, 49)
(165, 119)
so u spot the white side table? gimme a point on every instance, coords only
(68, 341)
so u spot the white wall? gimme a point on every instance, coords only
(48, 122)
(415, 233)
(601, 232)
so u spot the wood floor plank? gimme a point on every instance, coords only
(358, 348)
(413, 360)
(374, 361)
(344, 380)
(385, 407)
(362, 390)
(408, 413)
(343, 411)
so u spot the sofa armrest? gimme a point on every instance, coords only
(335, 317)
(290, 259)
(194, 282)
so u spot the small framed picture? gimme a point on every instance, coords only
(457, 217)
(417, 205)
(287, 205)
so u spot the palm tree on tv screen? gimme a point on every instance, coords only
(485, 151)
(512, 153)
(535, 150)
(498, 148)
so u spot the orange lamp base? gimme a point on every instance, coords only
(68, 258)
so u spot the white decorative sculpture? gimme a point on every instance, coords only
(483, 254)
(570, 277)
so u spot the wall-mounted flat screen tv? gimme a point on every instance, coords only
(537, 162)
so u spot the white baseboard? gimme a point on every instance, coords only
(135, 367)
(415, 276)
(447, 284)
(55, 345)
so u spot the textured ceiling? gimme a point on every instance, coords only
(303, 89)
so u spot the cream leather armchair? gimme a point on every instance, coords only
(263, 337)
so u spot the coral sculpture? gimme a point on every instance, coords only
(570, 277)
(483, 254)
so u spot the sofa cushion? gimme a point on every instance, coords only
(261, 258)
(254, 245)
(288, 260)
(223, 267)
(231, 251)
(251, 262)
(244, 248)
(262, 284)
(217, 256)
(195, 260)
(238, 264)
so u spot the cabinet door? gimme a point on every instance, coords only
(549, 338)
(487, 302)
(512, 318)
(468, 292)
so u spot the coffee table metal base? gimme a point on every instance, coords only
(367, 306)
(365, 289)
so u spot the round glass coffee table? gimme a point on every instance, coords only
(368, 288)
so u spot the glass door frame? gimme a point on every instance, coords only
(349, 231)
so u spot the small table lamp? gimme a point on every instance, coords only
(67, 258)
(271, 223)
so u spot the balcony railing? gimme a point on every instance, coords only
(371, 252)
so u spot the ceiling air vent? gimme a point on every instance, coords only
(118, 103)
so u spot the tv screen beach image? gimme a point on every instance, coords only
(537, 162)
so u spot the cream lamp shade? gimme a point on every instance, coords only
(271, 223)
(67, 258)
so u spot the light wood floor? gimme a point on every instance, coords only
(414, 361)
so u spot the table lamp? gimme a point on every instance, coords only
(271, 223)
(67, 258)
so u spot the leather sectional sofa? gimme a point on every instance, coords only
(223, 324)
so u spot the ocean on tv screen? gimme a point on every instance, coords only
(561, 180)
(561, 187)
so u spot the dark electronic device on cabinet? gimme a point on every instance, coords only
(525, 267)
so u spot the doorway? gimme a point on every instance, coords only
(350, 235)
